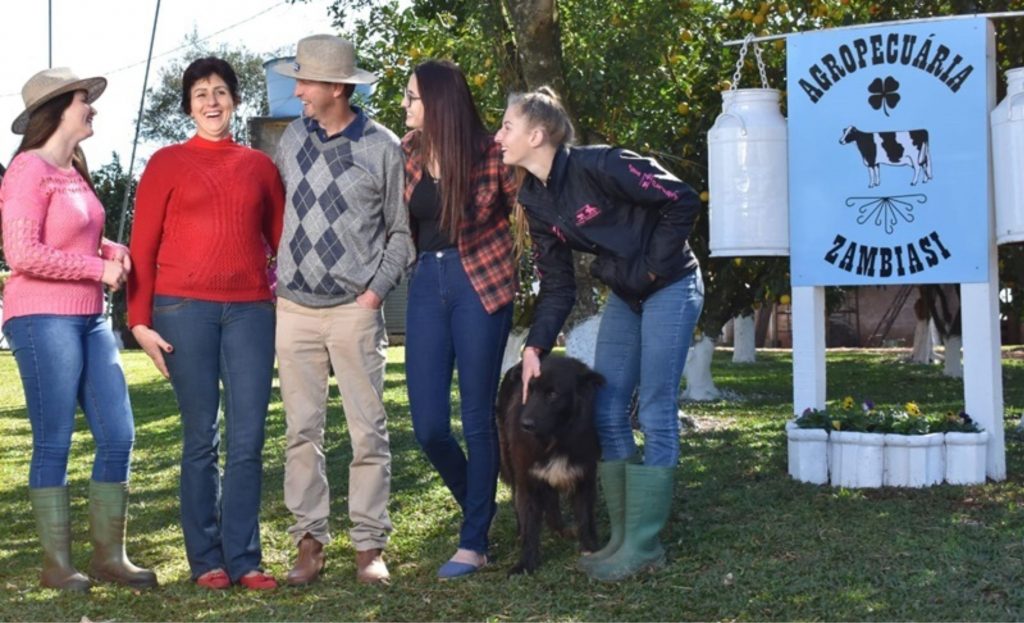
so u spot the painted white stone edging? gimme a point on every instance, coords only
(867, 460)
(856, 459)
(808, 453)
(966, 457)
(914, 460)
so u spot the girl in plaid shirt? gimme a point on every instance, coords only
(460, 292)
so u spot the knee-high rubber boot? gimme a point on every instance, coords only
(612, 475)
(52, 509)
(108, 519)
(648, 503)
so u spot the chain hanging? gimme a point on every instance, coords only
(747, 41)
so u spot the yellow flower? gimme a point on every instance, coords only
(836, 424)
(912, 409)
(848, 402)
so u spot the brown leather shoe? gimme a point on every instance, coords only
(370, 567)
(308, 564)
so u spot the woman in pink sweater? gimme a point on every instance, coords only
(200, 305)
(65, 350)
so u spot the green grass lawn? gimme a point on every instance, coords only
(745, 541)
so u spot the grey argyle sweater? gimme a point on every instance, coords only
(346, 229)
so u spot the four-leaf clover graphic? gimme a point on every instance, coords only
(883, 94)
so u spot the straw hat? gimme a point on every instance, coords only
(48, 84)
(325, 58)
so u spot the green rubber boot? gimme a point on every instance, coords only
(612, 475)
(108, 521)
(648, 503)
(52, 509)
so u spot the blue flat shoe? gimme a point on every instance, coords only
(452, 569)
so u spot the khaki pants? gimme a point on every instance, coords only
(352, 340)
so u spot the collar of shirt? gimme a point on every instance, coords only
(353, 131)
(556, 177)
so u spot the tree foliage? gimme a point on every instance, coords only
(645, 74)
(163, 120)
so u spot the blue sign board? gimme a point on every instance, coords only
(888, 154)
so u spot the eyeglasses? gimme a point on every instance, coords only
(412, 97)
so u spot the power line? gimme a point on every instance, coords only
(182, 46)
(206, 38)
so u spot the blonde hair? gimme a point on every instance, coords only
(542, 108)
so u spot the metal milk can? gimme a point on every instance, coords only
(748, 176)
(1008, 159)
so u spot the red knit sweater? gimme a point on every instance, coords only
(202, 214)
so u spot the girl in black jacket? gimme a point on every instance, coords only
(636, 217)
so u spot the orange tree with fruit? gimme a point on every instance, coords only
(646, 74)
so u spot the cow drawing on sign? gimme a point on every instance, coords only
(899, 149)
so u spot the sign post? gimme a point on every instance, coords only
(890, 183)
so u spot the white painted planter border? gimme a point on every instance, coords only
(867, 460)
(808, 453)
(914, 460)
(856, 459)
(966, 458)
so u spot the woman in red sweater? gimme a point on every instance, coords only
(53, 320)
(200, 305)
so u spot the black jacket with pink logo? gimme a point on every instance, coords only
(624, 208)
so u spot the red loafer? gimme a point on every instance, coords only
(258, 581)
(216, 579)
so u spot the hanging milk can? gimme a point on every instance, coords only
(1008, 159)
(748, 175)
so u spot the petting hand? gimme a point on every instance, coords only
(154, 345)
(369, 300)
(531, 368)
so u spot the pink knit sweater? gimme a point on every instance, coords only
(52, 228)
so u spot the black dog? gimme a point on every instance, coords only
(549, 445)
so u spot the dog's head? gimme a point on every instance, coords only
(561, 398)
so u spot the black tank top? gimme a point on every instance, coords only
(425, 210)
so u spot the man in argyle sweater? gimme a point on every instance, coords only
(346, 244)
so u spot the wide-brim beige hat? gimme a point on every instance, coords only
(325, 58)
(48, 84)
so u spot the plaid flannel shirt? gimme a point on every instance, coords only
(485, 239)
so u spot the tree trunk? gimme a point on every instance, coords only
(699, 384)
(764, 319)
(538, 40)
(744, 349)
(924, 348)
(581, 341)
(586, 291)
(954, 366)
(513, 349)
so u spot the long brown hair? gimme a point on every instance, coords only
(43, 122)
(452, 135)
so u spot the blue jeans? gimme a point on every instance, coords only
(64, 361)
(447, 325)
(233, 344)
(645, 350)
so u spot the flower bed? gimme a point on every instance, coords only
(856, 447)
